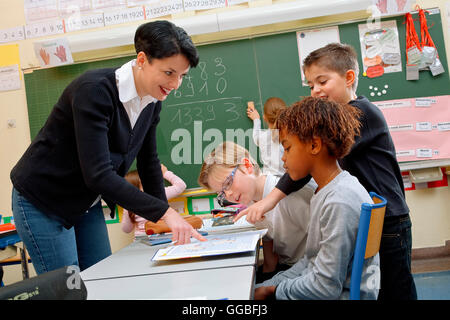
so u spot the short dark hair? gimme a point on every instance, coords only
(335, 124)
(162, 39)
(335, 56)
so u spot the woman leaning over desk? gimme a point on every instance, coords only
(103, 120)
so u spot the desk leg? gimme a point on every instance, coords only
(24, 263)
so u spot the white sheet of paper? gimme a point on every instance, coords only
(391, 7)
(387, 42)
(310, 40)
(9, 78)
(53, 53)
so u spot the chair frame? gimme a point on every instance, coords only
(370, 221)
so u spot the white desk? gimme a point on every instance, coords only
(135, 260)
(234, 283)
(130, 274)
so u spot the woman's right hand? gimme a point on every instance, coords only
(257, 210)
(181, 230)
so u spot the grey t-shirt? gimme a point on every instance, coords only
(325, 269)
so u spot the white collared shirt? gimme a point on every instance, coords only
(128, 94)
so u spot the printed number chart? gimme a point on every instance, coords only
(420, 127)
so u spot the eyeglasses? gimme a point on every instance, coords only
(226, 186)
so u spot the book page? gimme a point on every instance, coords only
(215, 245)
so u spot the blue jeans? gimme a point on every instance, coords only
(51, 246)
(397, 282)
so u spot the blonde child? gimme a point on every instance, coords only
(315, 133)
(270, 150)
(235, 175)
(131, 221)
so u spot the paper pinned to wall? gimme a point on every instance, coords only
(420, 127)
(392, 7)
(381, 47)
(36, 10)
(9, 78)
(9, 55)
(53, 53)
(10, 75)
(310, 40)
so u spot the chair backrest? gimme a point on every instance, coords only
(367, 240)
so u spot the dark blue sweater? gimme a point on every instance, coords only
(86, 147)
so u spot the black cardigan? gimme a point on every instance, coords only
(372, 160)
(86, 147)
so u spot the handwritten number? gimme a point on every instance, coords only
(233, 110)
(210, 109)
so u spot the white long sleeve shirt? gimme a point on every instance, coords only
(270, 151)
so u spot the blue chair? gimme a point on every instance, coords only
(367, 240)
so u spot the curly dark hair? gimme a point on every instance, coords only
(336, 124)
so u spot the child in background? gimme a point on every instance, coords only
(132, 221)
(315, 133)
(270, 150)
(234, 174)
(332, 74)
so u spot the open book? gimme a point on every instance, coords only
(215, 245)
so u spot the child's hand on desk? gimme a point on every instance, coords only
(181, 230)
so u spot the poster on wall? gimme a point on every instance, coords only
(10, 78)
(420, 127)
(380, 49)
(52, 53)
(392, 7)
(36, 10)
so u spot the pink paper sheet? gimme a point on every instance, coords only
(407, 117)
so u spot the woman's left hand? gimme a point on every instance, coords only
(181, 230)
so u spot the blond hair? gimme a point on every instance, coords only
(225, 155)
(272, 107)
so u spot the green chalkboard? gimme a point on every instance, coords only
(210, 106)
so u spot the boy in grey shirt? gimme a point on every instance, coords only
(325, 269)
(315, 133)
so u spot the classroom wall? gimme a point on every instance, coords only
(430, 211)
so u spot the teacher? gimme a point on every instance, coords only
(103, 120)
